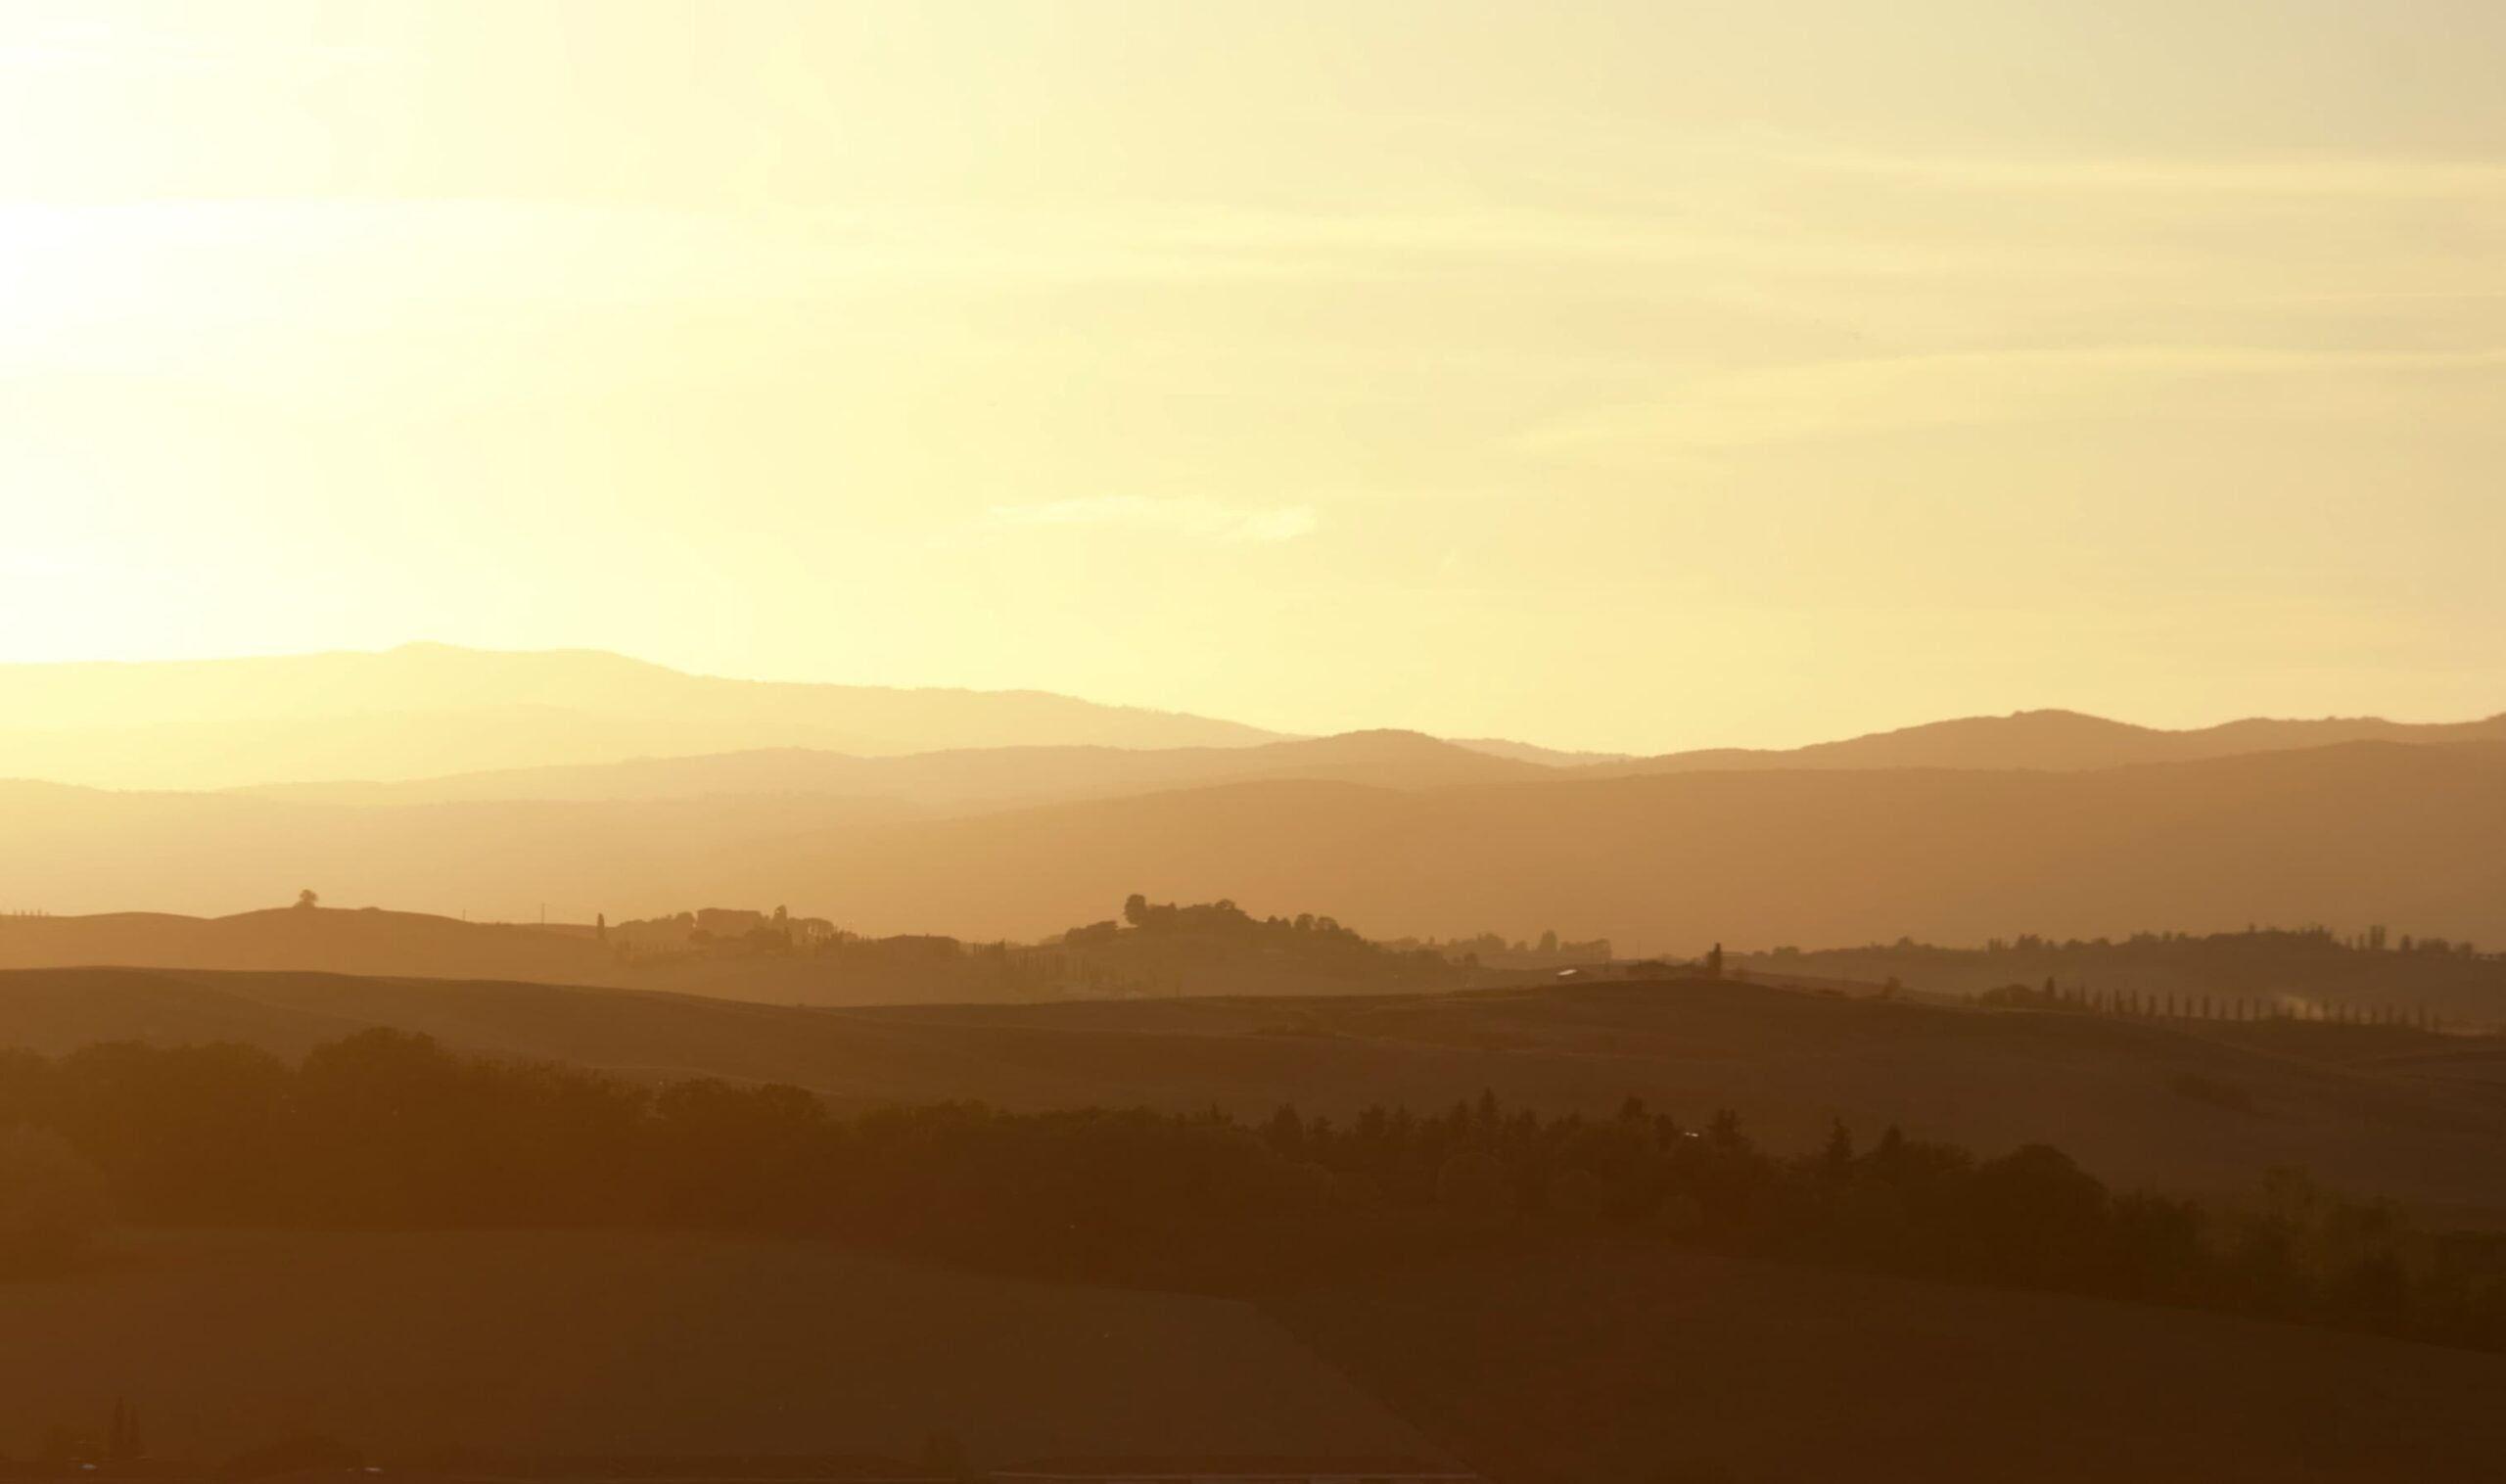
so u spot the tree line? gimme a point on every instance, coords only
(390, 1130)
(2153, 1004)
(2267, 973)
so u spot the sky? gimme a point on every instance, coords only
(1609, 375)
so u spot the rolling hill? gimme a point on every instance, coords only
(75, 850)
(1627, 1364)
(2342, 835)
(2061, 740)
(2108, 1091)
(279, 939)
(1617, 1364)
(2347, 835)
(960, 781)
(618, 1343)
(429, 711)
(429, 708)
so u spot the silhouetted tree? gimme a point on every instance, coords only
(1835, 1161)
(122, 1443)
(391, 1130)
(308, 898)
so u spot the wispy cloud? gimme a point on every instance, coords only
(1900, 393)
(2396, 179)
(1196, 516)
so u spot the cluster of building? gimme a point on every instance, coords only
(712, 925)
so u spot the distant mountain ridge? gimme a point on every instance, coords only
(424, 710)
(2347, 836)
(955, 779)
(2059, 741)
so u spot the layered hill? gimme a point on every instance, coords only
(76, 850)
(2113, 1093)
(429, 708)
(2344, 835)
(625, 839)
(2061, 740)
(1628, 1365)
(1617, 1364)
(604, 1343)
(955, 780)
(364, 941)
(2311, 976)
(2350, 835)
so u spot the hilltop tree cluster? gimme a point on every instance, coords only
(1493, 951)
(1213, 931)
(390, 1130)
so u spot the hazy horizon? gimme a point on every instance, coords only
(1601, 748)
(1612, 375)
(1279, 741)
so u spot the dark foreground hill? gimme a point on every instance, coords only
(2141, 1103)
(614, 1343)
(1627, 1365)
(1614, 1364)
(1608, 1365)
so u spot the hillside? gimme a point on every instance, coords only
(599, 1342)
(2111, 1093)
(1632, 1366)
(2305, 973)
(322, 939)
(2060, 741)
(2344, 835)
(627, 839)
(83, 851)
(426, 708)
(2347, 836)
(368, 940)
(1615, 1363)
(956, 781)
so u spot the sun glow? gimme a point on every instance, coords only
(1144, 353)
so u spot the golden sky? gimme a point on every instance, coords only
(1625, 375)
